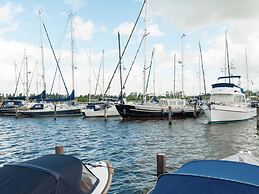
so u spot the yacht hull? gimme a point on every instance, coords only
(220, 113)
(50, 113)
(149, 112)
(91, 113)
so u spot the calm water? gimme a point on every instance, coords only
(131, 147)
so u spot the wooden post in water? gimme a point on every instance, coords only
(59, 150)
(55, 111)
(170, 115)
(16, 112)
(195, 110)
(161, 164)
(257, 118)
(105, 114)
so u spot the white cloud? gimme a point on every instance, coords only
(83, 29)
(75, 4)
(155, 31)
(8, 12)
(124, 29)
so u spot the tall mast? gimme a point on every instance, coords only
(174, 71)
(120, 68)
(227, 56)
(154, 78)
(183, 35)
(72, 50)
(89, 79)
(203, 74)
(42, 53)
(15, 70)
(145, 55)
(103, 74)
(199, 75)
(27, 78)
(247, 78)
(37, 77)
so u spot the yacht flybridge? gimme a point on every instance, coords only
(228, 102)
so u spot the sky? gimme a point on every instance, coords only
(96, 24)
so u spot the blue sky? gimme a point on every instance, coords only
(96, 23)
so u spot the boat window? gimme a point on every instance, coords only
(88, 181)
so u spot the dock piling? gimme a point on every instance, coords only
(257, 118)
(161, 163)
(195, 110)
(59, 150)
(170, 115)
(55, 112)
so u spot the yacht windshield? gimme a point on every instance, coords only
(88, 181)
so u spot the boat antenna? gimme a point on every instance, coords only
(227, 56)
(203, 74)
(53, 52)
(42, 53)
(125, 48)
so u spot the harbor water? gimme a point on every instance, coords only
(131, 146)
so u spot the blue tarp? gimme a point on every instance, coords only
(210, 177)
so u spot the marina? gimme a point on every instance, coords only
(135, 97)
(130, 146)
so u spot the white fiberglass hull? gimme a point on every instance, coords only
(221, 113)
(103, 171)
(111, 112)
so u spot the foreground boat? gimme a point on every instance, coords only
(228, 103)
(9, 107)
(180, 108)
(211, 176)
(59, 174)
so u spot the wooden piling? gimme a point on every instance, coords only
(55, 111)
(257, 118)
(170, 115)
(59, 150)
(105, 114)
(16, 112)
(161, 164)
(195, 110)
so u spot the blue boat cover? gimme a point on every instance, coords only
(50, 174)
(210, 177)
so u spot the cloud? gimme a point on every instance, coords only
(124, 29)
(155, 31)
(75, 4)
(8, 12)
(83, 29)
(190, 15)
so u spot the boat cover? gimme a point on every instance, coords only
(210, 177)
(50, 174)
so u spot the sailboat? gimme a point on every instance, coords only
(157, 108)
(228, 101)
(45, 108)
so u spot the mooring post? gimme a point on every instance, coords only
(55, 111)
(195, 110)
(170, 115)
(105, 114)
(59, 150)
(16, 112)
(257, 118)
(161, 164)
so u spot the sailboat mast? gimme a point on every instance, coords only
(103, 73)
(120, 68)
(247, 78)
(27, 78)
(145, 54)
(203, 74)
(227, 57)
(72, 50)
(42, 53)
(154, 79)
(89, 79)
(174, 71)
(183, 35)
